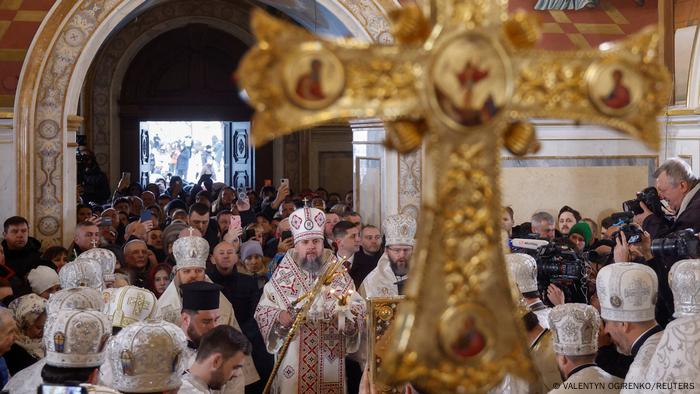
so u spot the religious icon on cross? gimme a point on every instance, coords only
(463, 77)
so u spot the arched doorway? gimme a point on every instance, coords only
(49, 92)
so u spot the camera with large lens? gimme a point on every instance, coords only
(559, 264)
(650, 198)
(682, 244)
(633, 234)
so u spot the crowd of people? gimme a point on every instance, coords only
(146, 247)
(613, 306)
(224, 284)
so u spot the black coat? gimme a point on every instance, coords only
(22, 261)
(244, 292)
(362, 265)
(689, 218)
(659, 228)
(18, 359)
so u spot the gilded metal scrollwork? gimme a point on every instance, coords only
(465, 81)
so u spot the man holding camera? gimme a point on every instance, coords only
(678, 186)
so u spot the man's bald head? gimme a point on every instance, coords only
(189, 231)
(136, 254)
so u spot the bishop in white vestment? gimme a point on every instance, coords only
(191, 258)
(315, 360)
(627, 294)
(575, 329)
(392, 268)
(676, 360)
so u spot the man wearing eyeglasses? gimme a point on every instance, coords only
(392, 269)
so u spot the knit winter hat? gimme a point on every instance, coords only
(582, 229)
(250, 248)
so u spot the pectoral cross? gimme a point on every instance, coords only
(465, 80)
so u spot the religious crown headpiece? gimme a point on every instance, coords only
(85, 272)
(627, 292)
(76, 338)
(190, 252)
(574, 329)
(523, 270)
(130, 304)
(105, 257)
(137, 368)
(83, 298)
(307, 223)
(684, 279)
(400, 230)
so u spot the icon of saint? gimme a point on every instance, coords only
(463, 111)
(309, 85)
(619, 96)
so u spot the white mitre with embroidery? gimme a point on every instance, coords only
(84, 272)
(574, 329)
(523, 270)
(307, 223)
(627, 292)
(130, 304)
(76, 338)
(85, 298)
(148, 357)
(400, 230)
(676, 357)
(684, 279)
(106, 259)
(190, 252)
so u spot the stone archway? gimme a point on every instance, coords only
(49, 91)
(113, 60)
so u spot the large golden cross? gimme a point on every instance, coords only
(466, 81)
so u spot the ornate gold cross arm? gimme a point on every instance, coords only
(296, 81)
(467, 84)
(623, 86)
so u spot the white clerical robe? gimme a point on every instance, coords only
(315, 360)
(677, 357)
(169, 308)
(590, 380)
(542, 312)
(381, 282)
(192, 385)
(27, 380)
(640, 366)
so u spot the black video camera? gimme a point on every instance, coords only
(633, 233)
(561, 265)
(650, 198)
(682, 244)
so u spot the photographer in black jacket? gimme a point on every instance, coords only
(678, 186)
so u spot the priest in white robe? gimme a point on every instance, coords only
(676, 362)
(191, 255)
(575, 330)
(392, 269)
(315, 360)
(627, 294)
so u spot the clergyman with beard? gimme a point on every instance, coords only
(336, 327)
(389, 277)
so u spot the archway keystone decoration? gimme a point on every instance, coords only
(48, 92)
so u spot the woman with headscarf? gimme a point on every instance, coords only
(30, 313)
